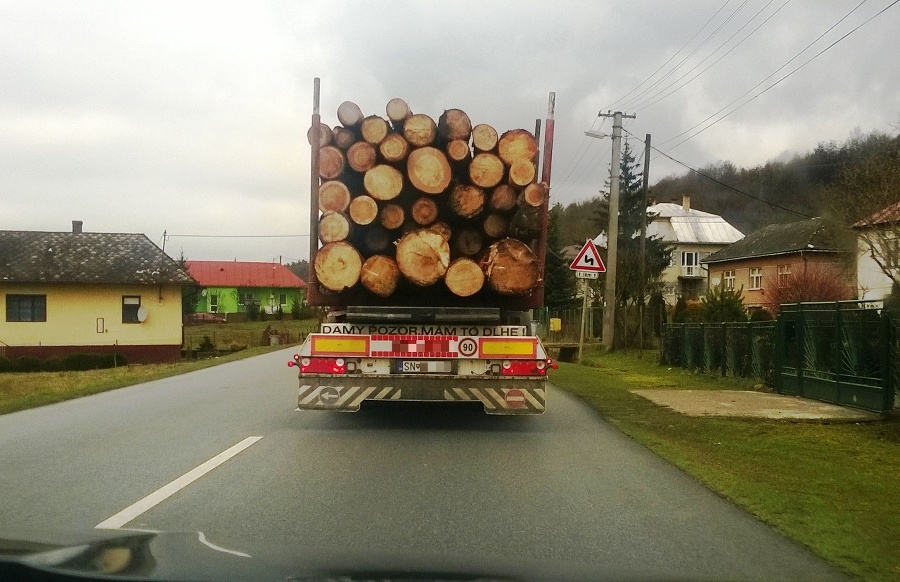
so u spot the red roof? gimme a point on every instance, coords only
(888, 215)
(242, 274)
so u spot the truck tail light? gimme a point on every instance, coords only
(524, 368)
(322, 366)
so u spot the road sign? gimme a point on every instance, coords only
(588, 259)
(587, 275)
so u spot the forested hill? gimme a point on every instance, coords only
(808, 185)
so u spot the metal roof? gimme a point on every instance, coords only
(243, 274)
(673, 223)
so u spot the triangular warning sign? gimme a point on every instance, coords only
(588, 259)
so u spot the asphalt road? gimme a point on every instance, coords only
(397, 478)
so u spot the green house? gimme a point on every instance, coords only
(227, 287)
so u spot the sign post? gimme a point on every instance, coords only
(587, 265)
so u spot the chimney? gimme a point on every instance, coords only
(76, 226)
(686, 202)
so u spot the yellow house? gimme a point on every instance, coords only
(84, 292)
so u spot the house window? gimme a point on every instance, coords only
(690, 264)
(246, 300)
(728, 280)
(784, 271)
(282, 299)
(756, 278)
(130, 306)
(213, 303)
(26, 308)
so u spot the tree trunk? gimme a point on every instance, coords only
(391, 216)
(398, 112)
(334, 196)
(394, 148)
(526, 223)
(511, 267)
(495, 226)
(349, 114)
(419, 130)
(343, 137)
(363, 210)
(468, 242)
(361, 156)
(534, 195)
(486, 170)
(377, 239)
(503, 198)
(466, 201)
(428, 169)
(516, 144)
(333, 227)
(454, 124)
(331, 162)
(484, 137)
(423, 257)
(464, 277)
(521, 173)
(424, 211)
(323, 138)
(374, 129)
(380, 274)
(383, 182)
(338, 266)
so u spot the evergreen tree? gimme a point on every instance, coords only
(559, 280)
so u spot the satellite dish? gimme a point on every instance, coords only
(203, 293)
(142, 314)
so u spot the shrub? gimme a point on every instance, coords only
(722, 304)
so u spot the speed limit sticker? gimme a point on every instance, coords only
(468, 347)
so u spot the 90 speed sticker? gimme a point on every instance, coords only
(468, 347)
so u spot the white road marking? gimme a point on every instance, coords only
(166, 491)
(208, 543)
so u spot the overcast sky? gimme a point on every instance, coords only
(191, 118)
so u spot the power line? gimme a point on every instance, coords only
(573, 162)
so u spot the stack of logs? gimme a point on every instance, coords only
(405, 198)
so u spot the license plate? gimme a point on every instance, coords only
(425, 366)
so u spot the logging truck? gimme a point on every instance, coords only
(427, 242)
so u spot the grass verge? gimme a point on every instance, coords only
(832, 487)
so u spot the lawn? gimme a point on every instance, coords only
(832, 487)
(234, 336)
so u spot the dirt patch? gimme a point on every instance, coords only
(752, 404)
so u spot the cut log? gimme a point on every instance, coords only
(380, 274)
(495, 226)
(394, 148)
(363, 210)
(338, 266)
(458, 151)
(454, 124)
(468, 242)
(331, 162)
(526, 223)
(503, 198)
(333, 227)
(424, 211)
(419, 130)
(534, 195)
(511, 267)
(320, 138)
(383, 182)
(374, 129)
(466, 201)
(516, 144)
(397, 111)
(443, 229)
(521, 173)
(349, 114)
(484, 137)
(428, 169)
(486, 170)
(464, 277)
(377, 239)
(334, 196)
(343, 137)
(361, 156)
(391, 216)
(423, 257)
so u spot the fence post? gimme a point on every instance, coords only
(779, 352)
(801, 345)
(887, 362)
(724, 353)
(838, 351)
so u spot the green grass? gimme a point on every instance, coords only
(832, 487)
(231, 336)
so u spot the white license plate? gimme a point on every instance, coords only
(425, 366)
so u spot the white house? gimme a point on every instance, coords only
(878, 250)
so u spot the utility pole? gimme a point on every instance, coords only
(612, 238)
(644, 247)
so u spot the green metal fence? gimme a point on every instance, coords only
(737, 349)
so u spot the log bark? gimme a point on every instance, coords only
(419, 130)
(486, 170)
(516, 144)
(454, 124)
(423, 257)
(392, 216)
(511, 267)
(484, 137)
(521, 173)
(466, 201)
(503, 198)
(468, 242)
(331, 162)
(458, 151)
(526, 223)
(349, 114)
(338, 266)
(383, 182)
(334, 196)
(534, 195)
(377, 239)
(464, 277)
(495, 225)
(374, 129)
(320, 138)
(398, 112)
(333, 227)
(424, 211)
(363, 210)
(361, 156)
(428, 169)
(380, 274)
(394, 148)
(343, 138)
